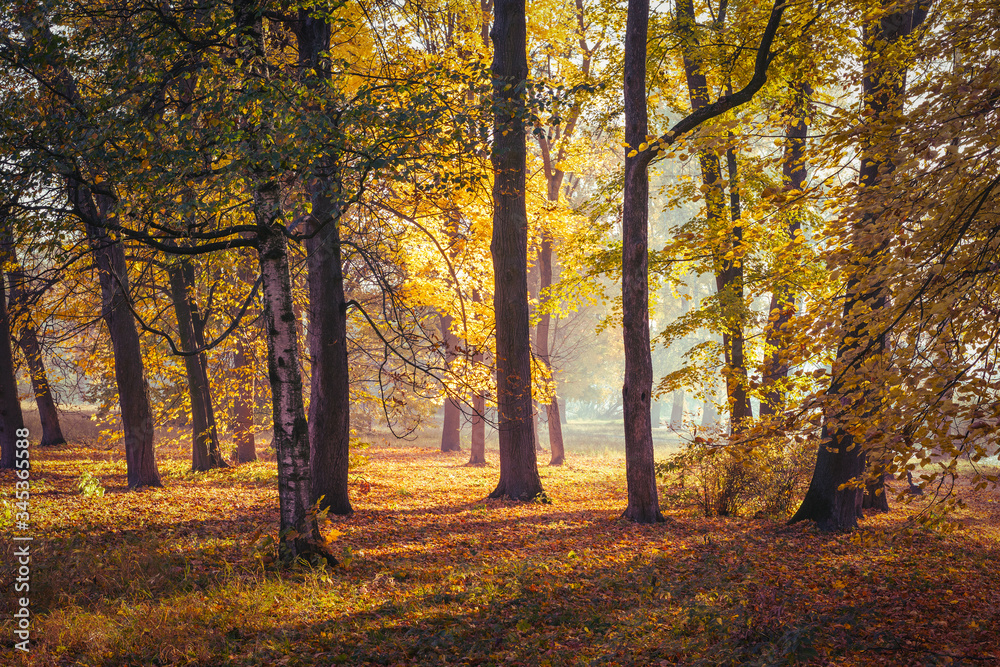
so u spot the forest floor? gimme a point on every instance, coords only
(433, 574)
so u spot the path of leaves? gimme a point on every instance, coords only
(432, 574)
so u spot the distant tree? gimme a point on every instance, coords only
(205, 451)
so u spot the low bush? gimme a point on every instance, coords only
(733, 480)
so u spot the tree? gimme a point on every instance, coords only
(554, 143)
(11, 419)
(329, 403)
(96, 211)
(451, 432)
(519, 478)
(205, 452)
(782, 306)
(728, 253)
(26, 334)
(246, 383)
(834, 497)
(643, 505)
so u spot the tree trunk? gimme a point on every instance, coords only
(451, 433)
(776, 360)
(133, 393)
(556, 445)
(643, 503)
(709, 415)
(729, 272)
(298, 530)
(244, 402)
(20, 318)
(677, 410)
(875, 497)
(834, 497)
(11, 419)
(477, 456)
(98, 216)
(542, 334)
(330, 399)
(205, 452)
(731, 280)
(298, 534)
(519, 478)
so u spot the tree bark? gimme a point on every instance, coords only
(677, 410)
(729, 272)
(519, 478)
(298, 534)
(205, 451)
(330, 398)
(542, 334)
(133, 392)
(782, 307)
(298, 530)
(731, 280)
(554, 177)
(451, 433)
(245, 402)
(835, 494)
(643, 503)
(20, 319)
(11, 418)
(245, 372)
(97, 214)
(477, 451)
(875, 498)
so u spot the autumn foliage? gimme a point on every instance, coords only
(728, 266)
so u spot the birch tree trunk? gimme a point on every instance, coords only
(299, 534)
(298, 529)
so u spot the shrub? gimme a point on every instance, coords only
(733, 480)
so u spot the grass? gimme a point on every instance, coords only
(433, 574)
